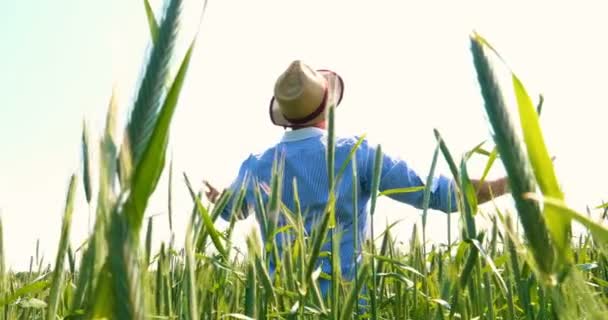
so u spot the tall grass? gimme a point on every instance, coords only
(498, 273)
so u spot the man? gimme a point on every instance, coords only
(301, 98)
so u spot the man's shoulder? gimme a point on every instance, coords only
(349, 141)
(267, 154)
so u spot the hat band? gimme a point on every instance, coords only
(314, 114)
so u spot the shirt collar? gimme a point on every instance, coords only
(301, 134)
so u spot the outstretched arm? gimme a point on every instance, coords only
(487, 190)
(395, 173)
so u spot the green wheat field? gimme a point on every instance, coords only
(527, 265)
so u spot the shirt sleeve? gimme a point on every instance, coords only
(244, 182)
(396, 173)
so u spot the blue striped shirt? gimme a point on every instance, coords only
(304, 154)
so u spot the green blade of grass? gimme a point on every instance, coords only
(56, 283)
(208, 223)
(148, 248)
(318, 243)
(499, 278)
(352, 297)
(170, 196)
(376, 179)
(427, 192)
(3, 276)
(470, 203)
(465, 275)
(124, 267)
(491, 159)
(349, 159)
(389, 192)
(539, 107)
(477, 149)
(190, 286)
(335, 245)
(104, 300)
(86, 164)
(159, 285)
(152, 24)
(602, 206)
(599, 231)
(448, 156)
(107, 163)
(521, 178)
(261, 271)
(152, 161)
(331, 148)
(29, 289)
(374, 192)
(356, 244)
(144, 115)
(558, 225)
(425, 206)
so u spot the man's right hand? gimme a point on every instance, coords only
(212, 193)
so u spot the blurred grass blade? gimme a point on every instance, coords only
(352, 297)
(170, 195)
(148, 248)
(2, 262)
(499, 278)
(448, 156)
(542, 165)
(374, 191)
(376, 180)
(318, 241)
(491, 158)
(190, 285)
(539, 107)
(334, 240)
(331, 147)
(521, 179)
(425, 206)
(30, 289)
(152, 24)
(356, 242)
(558, 225)
(427, 191)
(390, 192)
(251, 289)
(152, 162)
(602, 206)
(599, 231)
(3, 277)
(86, 164)
(144, 114)
(207, 222)
(470, 201)
(125, 267)
(262, 272)
(85, 282)
(56, 284)
(107, 174)
(477, 149)
(104, 301)
(349, 159)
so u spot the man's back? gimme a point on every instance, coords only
(303, 153)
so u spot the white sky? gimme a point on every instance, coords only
(407, 70)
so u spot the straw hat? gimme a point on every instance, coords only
(301, 95)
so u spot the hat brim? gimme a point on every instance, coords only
(335, 91)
